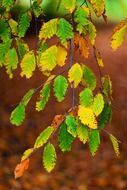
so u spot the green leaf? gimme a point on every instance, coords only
(65, 139)
(89, 78)
(4, 30)
(36, 9)
(49, 157)
(44, 97)
(18, 115)
(105, 116)
(94, 141)
(4, 47)
(48, 29)
(27, 153)
(115, 144)
(65, 31)
(7, 3)
(28, 64)
(23, 23)
(75, 74)
(43, 137)
(11, 61)
(107, 86)
(71, 125)
(86, 97)
(60, 87)
(80, 17)
(48, 59)
(22, 48)
(25, 100)
(98, 104)
(92, 32)
(82, 132)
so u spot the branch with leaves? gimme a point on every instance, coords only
(75, 32)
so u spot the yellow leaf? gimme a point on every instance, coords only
(118, 35)
(48, 59)
(75, 74)
(61, 56)
(115, 144)
(99, 58)
(48, 29)
(87, 117)
(81, 43)
(98, 6)
(92, 33)
(28, 64)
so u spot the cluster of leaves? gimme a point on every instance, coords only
(94, 111)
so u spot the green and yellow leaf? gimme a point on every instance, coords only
(71, 125)
(115, 144)
(94, 141)
(98, 6)
(98, 104)
(82, 132)
(61, 56)
(86, 97)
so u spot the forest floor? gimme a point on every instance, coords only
(76, 170)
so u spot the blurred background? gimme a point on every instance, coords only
(76, 170)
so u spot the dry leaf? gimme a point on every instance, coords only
(21, 168)
(99, 58)
(58, 119)
(81, 43)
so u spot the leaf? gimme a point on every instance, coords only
(89, 78)
(65, 31)
(61, 56)
(65, 139)
(98, 6)
(80, 17)
(69, 5)
(49, 157)
(99, 58)
(118, 35)
(107, 86)
(82, 132)
(105, 116)
(75, 74)
(36, 9)
(81, 44)
(60, 87)
(13, 25)
(48, 59)
(28, 64)
(4, 30)
(71, 125)
(92, 32)
(115, 144)
(18, 115)
(23, 23)
(4, 48)
(7, 3)
(22, 48)
(43, 137)
(87, 117)
(57, 121)
(21, 168)
(25, 100)
(27, 153)
(48, 29)
(11, 61)
(94, 141)
(44, 97)
(86, 97)
(98, 104)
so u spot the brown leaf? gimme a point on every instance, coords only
(21, 168)
(58, 119)
(81, 43)
(99, 58)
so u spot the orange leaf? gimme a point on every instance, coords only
(81, 43)
(21, 168)
(58, 119)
